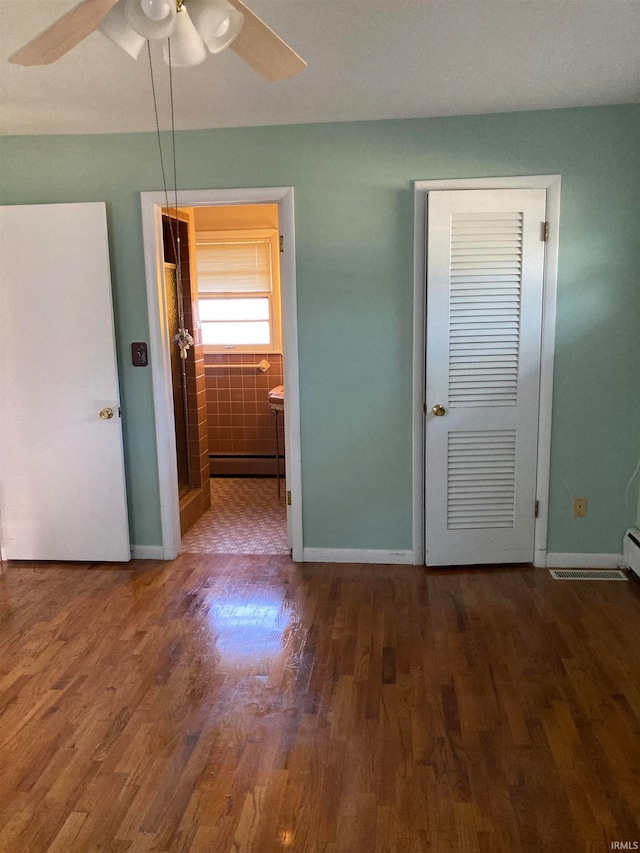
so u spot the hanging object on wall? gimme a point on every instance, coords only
(184, 341)
(205, 25)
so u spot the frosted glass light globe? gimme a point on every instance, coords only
(156, 10)
(223, 28)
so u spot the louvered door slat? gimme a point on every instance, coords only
(471, 305)
(488, 352)
(488, 266)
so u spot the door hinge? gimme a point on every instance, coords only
(282, 242)
(288, 498)
(536, 511)
(545, 232)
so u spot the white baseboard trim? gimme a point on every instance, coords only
(147, 552)
(584, 561)
(356, 555)
(540, 558)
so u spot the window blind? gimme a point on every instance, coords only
(234, 266)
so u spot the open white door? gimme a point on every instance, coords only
(61, 462)
(484, 318)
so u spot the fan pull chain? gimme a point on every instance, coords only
(175, 173)
(183, 339)
(164, 177)
(174, 235)
(173, 222)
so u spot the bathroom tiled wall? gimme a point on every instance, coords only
(198, 500)
(240, 422)
(195, 500)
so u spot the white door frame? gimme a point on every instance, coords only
(159, 345)
(551, 183)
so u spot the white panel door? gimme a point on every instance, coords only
(484, 320)
(61, 464)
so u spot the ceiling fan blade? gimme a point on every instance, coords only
(263, 50)
(67, 32)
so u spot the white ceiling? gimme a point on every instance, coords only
(367, 59)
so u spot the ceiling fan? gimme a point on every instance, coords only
(207, 24)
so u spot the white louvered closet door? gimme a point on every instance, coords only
(484, 320)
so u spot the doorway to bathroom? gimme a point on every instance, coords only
(245, 356)
(237, 301)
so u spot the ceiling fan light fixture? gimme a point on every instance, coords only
(187, 48)
(146, 26)
(156, 10)
(116, 27)
(217, 21)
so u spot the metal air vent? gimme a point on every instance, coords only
(588, 574)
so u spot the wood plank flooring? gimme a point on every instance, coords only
(223, 704)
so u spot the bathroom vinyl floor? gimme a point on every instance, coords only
(246, 517)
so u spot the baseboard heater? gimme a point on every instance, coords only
(631, 550)
(244, 465)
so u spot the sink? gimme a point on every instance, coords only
(276, 398)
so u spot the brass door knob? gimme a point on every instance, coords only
(439, 410)
(106, 414)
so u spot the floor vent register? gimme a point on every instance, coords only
(588, 574)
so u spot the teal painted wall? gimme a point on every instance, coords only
(354, 238)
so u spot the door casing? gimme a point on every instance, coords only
(152, 204)
(551, 183)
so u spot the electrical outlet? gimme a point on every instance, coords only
(579, 507)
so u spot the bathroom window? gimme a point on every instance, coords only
(239, 290)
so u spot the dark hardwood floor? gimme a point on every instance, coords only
(228, 703)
